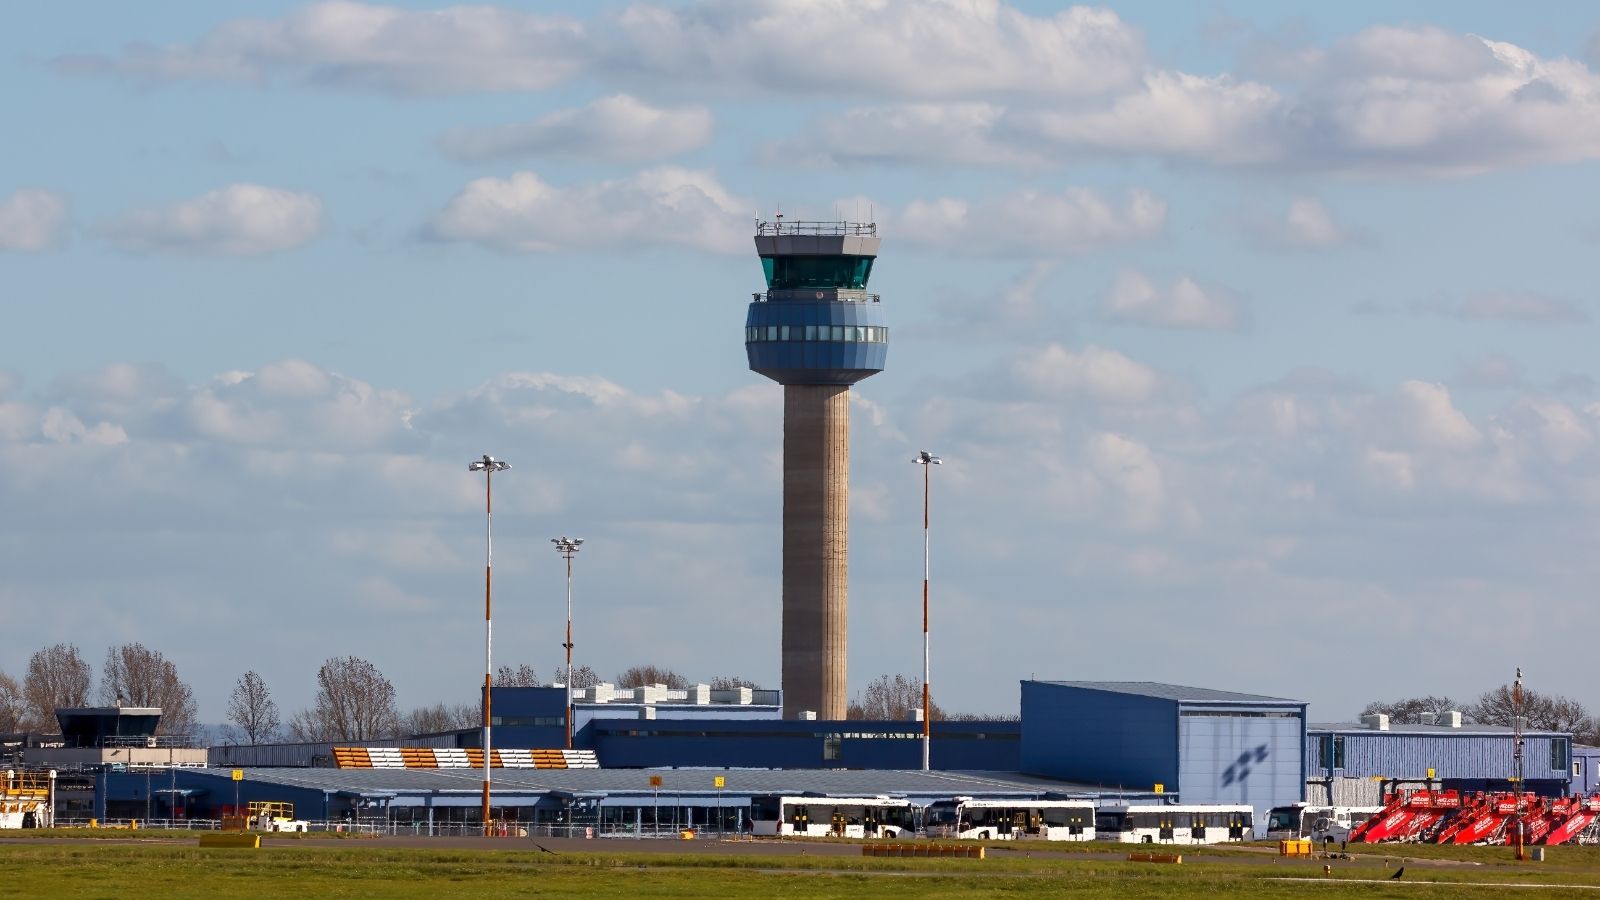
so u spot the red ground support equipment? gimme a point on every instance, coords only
(1581, 813)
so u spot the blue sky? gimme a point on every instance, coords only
(1257, 336)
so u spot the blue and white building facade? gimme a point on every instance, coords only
(1354, 763)
(1205, 746)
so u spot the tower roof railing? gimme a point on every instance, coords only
(820, 229)
(798, 294)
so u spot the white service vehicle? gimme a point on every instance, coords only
(851, 817)
(1316, 823)
(1006, 820)
(1160, 823)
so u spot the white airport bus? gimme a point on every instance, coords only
(1174, 824)
(1316, 823)
(1004, 820)
(851, 817)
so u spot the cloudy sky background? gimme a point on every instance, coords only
(1257, 337)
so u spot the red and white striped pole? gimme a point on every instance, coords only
(926, 459)
(488, 465)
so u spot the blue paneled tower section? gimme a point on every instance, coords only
(816, 323)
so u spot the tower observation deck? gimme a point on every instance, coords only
(816, 331)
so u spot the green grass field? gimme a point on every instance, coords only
(177, 868)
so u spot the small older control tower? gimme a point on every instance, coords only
(816, 331)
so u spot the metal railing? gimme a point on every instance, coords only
(163, 741)
(820, 229)
(843, 295)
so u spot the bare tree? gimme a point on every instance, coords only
(1543, 712)
(439, 717)
(639, 676)
(891, 699)
(135, 675)
(13, 709)
(354, 703)
(57, 678)
(582, 677)
(1409, 710)
(521, 676)
(731, 683)
(252, 710)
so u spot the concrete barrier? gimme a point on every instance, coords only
(1173, 858)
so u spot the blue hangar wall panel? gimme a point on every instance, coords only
(1236, 758)
(795, 744)
(1466, 756)
(1585, 769)
(1099, 737)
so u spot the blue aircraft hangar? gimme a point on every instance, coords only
(1107, 741)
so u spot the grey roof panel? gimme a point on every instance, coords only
(1177, 692)
(1437, 730)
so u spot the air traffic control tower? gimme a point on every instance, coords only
(816, 331)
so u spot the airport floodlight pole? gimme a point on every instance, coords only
(488, 465)
(568, 548)
(1516, 750)
(926, 460)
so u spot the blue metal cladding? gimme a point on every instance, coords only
(1405, 755)
(802, 744)
(124, 795)
(816, 361)
(1585, 770)
(1230, 758)
(1099, 737)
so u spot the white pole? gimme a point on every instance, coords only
(488, 632)
(569, 650)
(927, 708)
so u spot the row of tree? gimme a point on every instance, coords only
(58, 676)
(1540, 712)
(354, 700)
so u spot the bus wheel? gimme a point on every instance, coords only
(983, 835)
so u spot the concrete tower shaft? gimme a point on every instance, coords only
(816, 331)
(816, 540)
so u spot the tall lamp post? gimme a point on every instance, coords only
(926, 460)
(1516, 750)
(488, 465)
(568, 548)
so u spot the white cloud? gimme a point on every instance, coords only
(32, 220)
(1131, 470)
(912, 133)
(618, 128)
(460, 48)
(1029, 223)
(238, 220)
(664, 206)
(1306, 225)
(1431, 418)
(944, 48)
(1096, 372)
(1184, 304)
(1385, 101)
(965, 47)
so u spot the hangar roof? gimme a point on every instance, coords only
(1466, 728)
(1178, 692)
